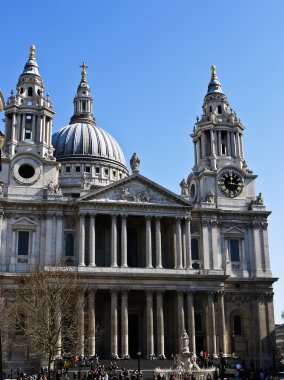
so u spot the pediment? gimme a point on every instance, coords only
(24, 220)
(136, 189)
(234, 232)
(24, 223)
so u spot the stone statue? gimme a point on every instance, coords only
(259, 200)
(135, 163)
(184, 342)
(184, 187)
(210, 197)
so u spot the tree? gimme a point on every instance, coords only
(47, 313)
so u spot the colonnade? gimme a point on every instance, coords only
(233, 143)
(153, 340)
(181, 234)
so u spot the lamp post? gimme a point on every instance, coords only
(1, 360)
(273, 357)
(139, 357)
(233, 342)
(2, 140)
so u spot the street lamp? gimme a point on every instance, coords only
(273, 357)
(139, 357)
(233, 342)
(2, 141)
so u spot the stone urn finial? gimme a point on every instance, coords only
(135, 163)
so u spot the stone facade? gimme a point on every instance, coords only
(154, 263)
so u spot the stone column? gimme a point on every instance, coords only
(229, 151)
(158, 243)
(57, 322)
(205, 248)
(81, 323)
(124, 241)
(257, 251)
(2, 252)
(178, 244)
(233, 143)
(59, 237)
(212, 326)
(150, 323)
(188, 243)
(114, 240)
(148, 243)
(82, 241)
(43, 128)
(180, 313)
(217, 257)
(92, 322)
(222, 338)
(219, 143)
(203, 152)
(33, 137)
(160, 324)
(237, 144)
(265, 247)
(241, 146)
(191, 322)
(48, 238)
(195, 153)
(23, 127)
(124, 323)
(92, 246)
(114, 326)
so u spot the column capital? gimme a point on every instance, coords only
(124, 292)
(148, 217)
(124, 216)
(82, 214)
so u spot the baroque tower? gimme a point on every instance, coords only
(28, 152)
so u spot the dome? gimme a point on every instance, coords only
(85, 140)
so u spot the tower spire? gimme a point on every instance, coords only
(32, 53)
(84, 73)
(213, 69)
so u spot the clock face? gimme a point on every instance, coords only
(231, 184)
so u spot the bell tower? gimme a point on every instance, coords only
(28, 151)
(29, 114)
(220, 177)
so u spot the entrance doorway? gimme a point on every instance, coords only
(134, 335)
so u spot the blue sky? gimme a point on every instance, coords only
(149, 67)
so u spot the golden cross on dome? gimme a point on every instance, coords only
(83, 73)
(32, 53)
(213, 69)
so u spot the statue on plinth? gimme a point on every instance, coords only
(184, 343)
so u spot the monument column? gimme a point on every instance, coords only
(150, 324)
(123, 241)
(113, 328)
(92, 246)
(160, 324)
(158, 243)
(148, 243)
(114, 240)
(191, 322)
(92, 322)
(82, 241)
(124, 323)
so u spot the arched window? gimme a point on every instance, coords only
(198, 322)
(219, 110)
(30, 91)
(237, 325)
(194, 249)
(69, 244)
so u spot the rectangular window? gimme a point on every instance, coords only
(234, 246)
(83, 105)
(78, 169)
(28, 134)
(23, 242)
(88, 169)
(97, 170)
(68, 169)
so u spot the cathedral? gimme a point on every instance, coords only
(154, 263)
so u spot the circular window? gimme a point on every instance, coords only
(26, 171)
